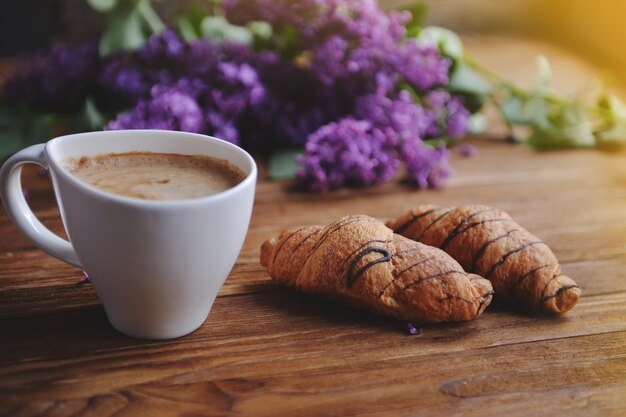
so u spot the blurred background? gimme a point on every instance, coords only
(593, 29)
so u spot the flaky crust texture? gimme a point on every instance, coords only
(358, 261)
(486, 241)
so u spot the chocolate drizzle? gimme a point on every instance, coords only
(558, 292)
(408, 268)
(307, 237)
(280, 245)
(484, 247)
(415, 217)
(433, 223)
(354, 275)
(399, 274)
(337, 226)
(471, 226)
(521, 278)
(457, 230)
(509, 253)
(545, 288)
(369, 242)
(434, 276)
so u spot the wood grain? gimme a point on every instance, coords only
(268, 351)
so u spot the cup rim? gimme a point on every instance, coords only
(59, 170)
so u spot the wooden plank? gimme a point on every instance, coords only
(253, 329)
(441, 368)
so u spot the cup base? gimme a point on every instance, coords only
(157, 334)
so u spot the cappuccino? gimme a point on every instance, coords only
(156, 176)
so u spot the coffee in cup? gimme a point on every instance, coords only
(156, 176)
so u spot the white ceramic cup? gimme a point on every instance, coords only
(157, 265)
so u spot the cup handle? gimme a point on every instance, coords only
(19, 212)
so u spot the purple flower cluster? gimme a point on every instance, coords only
(355, 57)
(197, 87)
(57, 81)
(352, 44)
(167, 108)
(346, 153)
(448, 116)
(393, 130)
(339, 78)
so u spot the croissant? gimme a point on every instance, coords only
(358, 261)
(486, 241)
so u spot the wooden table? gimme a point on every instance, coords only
(268, 351)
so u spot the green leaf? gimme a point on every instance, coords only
(419, 11)
(448, 42)
(187, 29)
(124, 31)
(512, 109)
(521, 110)
(568, 127)
(7, 115)
(217, 29)
(544, 74)
(611, 103)
(10, 141)
(129, 25)
(287, 41)
(102, 6)
(612, 112)
(26, 129)
(262, 30)
(408, 87)
(442, 141)
(282, 164)
(478, 123)
(92, 117)
(613, 136)
(465, 80)
(150, 17)
(190, 22)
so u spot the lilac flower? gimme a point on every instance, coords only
(57, 81)
(467, 150)
(165, 59)
(168, 108)
(412, 329)
(123, 81)
(84, 279)
(448, 116)
(400, 118)
(428, 167)
(329, 64)
(128, 77)
(422, 66)
(164, 48)
(294, 105)
(346, 153)
(218, 82)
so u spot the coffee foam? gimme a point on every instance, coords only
(156, 176)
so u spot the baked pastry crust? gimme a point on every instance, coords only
(358, 261)
(487, 241)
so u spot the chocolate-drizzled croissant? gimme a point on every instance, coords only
(360, 262)
(486, 241)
